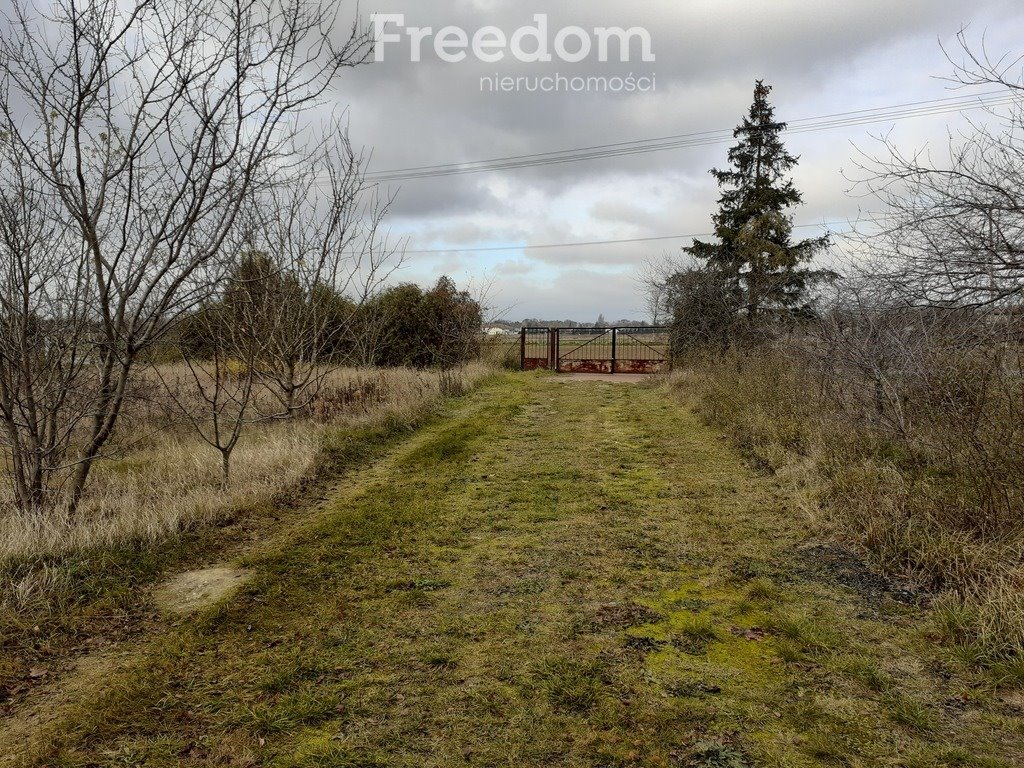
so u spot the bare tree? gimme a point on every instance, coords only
(654, 277)
(373, 332)
(324, 255)
(45, 374)
(951, 230)
(215, 395)
(144, 128)
(704, 310)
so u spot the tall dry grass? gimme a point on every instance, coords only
(501, 351)
(919, 463)
(171, 485)
(167, 480)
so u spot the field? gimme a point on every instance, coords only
(68, 582)
(169, 480)
(550, 573)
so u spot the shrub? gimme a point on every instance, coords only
(911, 425)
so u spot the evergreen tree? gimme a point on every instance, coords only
(755, 256)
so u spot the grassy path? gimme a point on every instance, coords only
(555, 574)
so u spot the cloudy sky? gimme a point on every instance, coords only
(820, 57)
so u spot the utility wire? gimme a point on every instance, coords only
(914, 104)
(546, 246)
(903, 111)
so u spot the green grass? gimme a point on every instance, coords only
(909, 713)
(552, 574)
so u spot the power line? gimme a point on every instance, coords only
(702, 138)
(903, 111)
(578, 244)
(729, 131)
(659, 147)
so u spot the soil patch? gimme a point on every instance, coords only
(194, 590)
(843, 566)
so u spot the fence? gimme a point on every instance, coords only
(642, 349)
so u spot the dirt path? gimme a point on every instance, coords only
(556, 574)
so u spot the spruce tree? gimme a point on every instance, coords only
(766, 273)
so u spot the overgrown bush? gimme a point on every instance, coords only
(401, 326)
(912, 427)
(438, 328)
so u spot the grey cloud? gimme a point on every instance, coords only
(454, 195)
(578, 294)
(821, 58)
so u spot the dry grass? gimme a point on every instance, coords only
(171, 482)
(170, 486)
(935, 501)
(501, 351)
(494, 595)
(984, 623)
(159, 506)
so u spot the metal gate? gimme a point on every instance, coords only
(594, 350)
(640, 350)
(536, 349)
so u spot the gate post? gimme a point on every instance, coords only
(553, 349)
(522, 349)
(615, 332)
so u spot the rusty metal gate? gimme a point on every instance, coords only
(535, 349)
(594, 350)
